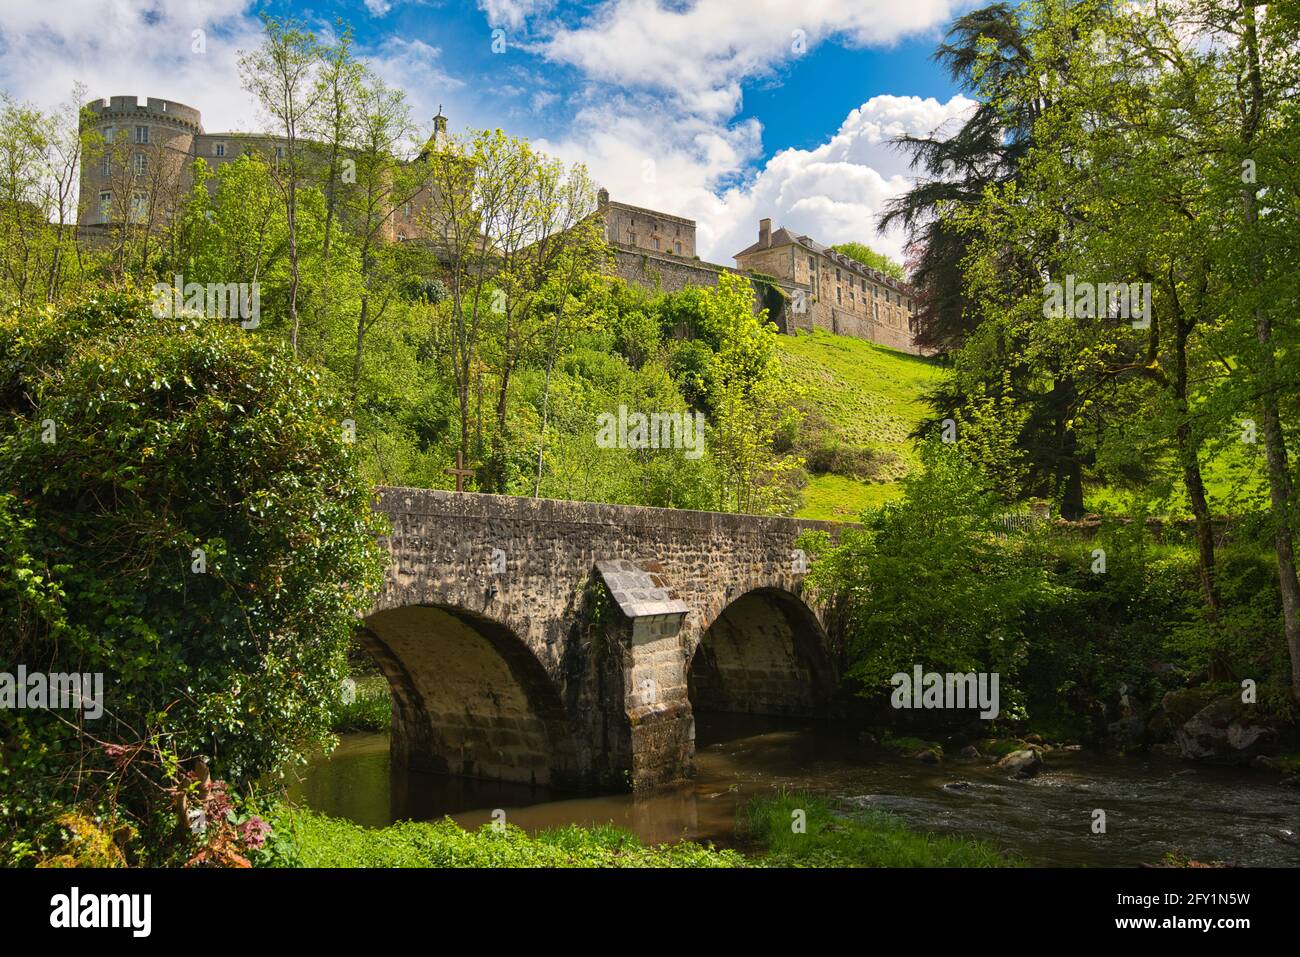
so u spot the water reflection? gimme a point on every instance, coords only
(1153, 804)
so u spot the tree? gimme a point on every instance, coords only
(40, 159)
(282, 77)
(869, 257)
(182, 515)
(750, 400)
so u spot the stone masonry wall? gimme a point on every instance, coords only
(527, 565)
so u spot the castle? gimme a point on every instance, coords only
(145, 173)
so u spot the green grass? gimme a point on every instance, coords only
(858, 838)
(871, 396)
(303, 838)
(314, 840)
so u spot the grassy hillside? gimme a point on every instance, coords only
(869, 398)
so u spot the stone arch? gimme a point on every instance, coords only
(469, 697)
(764, 653)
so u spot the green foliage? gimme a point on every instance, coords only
(175, 442)
(869, 257)
(321, 841)
(371, 710)
(926, 581)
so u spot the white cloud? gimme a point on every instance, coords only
(833, 193)
(677, 73)
(702, 52)
(511, 14)
(130, 47)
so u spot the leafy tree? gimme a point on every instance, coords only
(182, 515)
(926, 581)
(869, 257)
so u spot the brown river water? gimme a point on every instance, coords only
(1153, 803)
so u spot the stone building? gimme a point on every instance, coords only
(653, 249)
(832, 291)
(145, 172)
(145, 168)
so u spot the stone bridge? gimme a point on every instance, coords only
(570, 644)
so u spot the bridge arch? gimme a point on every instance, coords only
(765, 652)
(469, 697)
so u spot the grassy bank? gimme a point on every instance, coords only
(824, 837)
(870, 398)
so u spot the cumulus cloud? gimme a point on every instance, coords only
(834, 193)
(702, 53)
(511, 14)
(665, 83)
(176, 49)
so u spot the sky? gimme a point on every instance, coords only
(723, 111)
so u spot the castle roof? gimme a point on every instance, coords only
(785, 237)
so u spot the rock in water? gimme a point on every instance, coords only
(1023, 764)
(1225, 732)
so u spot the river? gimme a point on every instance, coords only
(1153, 803)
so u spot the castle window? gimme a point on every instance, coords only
(105, 204)
(837, 275)
(108, 134)
(875, 311)
(401, 236)
(142, 134)
(279, 152)
(406, 211)
(139, 207)
(839, 295)
(677, 248)
(655, 240)
(104, 167)
(140, 164)
(219, 149)
(631, 238)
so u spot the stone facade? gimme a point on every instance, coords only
(832, 291)
(145, 168)
(511, 659)
(144, 173)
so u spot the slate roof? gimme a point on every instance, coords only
(640, 588)
(784, 237)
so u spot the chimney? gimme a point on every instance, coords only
(765, 232)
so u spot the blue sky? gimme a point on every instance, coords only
(725, 111)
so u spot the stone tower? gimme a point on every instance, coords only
(141, 171)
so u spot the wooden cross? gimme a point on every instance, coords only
(460, 471)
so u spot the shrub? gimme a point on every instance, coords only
(182, 514)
